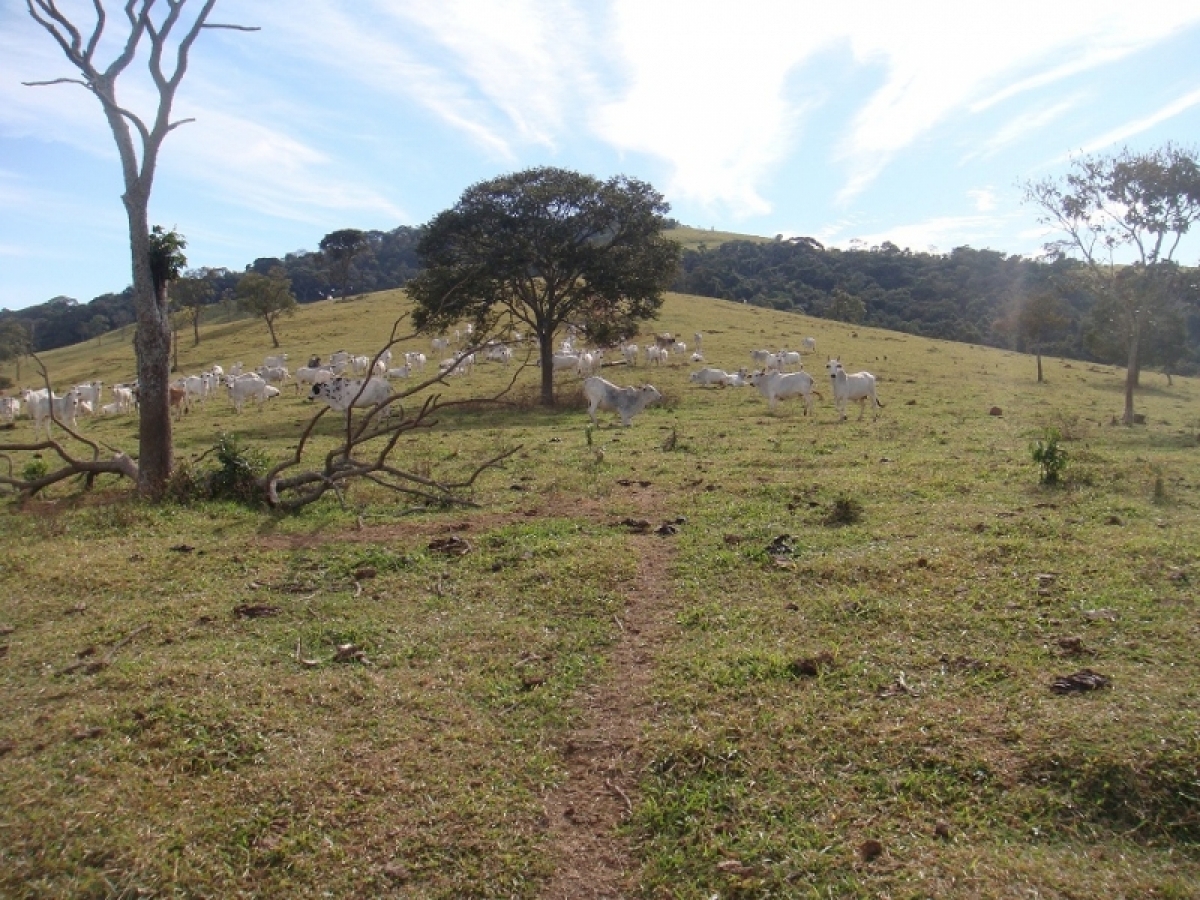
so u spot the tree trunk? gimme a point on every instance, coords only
(152, 344)
(271, 328)
(1131, 378)
(1039, 360)
(196, 327)
(546, 354)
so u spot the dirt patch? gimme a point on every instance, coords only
(603, 755)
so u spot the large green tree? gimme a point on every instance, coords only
(164, 35)
(191, 293)
(339, 248)
(1125, 216)
(547, 247)
(1042, 317)
(15, 342)
(267, 296)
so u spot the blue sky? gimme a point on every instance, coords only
(910, 122)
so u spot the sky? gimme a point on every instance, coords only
(854, 123)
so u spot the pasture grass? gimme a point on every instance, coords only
(854, 702)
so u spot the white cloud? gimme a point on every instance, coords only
(1129, 129)
(983, 198)
(937, 234)
(939, 57)
(1021, 126)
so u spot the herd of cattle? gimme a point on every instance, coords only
(345, 380)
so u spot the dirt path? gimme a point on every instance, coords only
(603, 754)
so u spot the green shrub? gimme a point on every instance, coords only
(237, 472)
(1050, 457)
(34, 469)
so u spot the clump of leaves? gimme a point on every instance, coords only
(1050, 456)
(235, 476)
(34, 469)
(844, 511)
(237, 472)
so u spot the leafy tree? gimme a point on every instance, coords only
(845, 307)
(547, 247)
(1139, 205)
(267, 296)
(15, 342)
(192, 293)
(339, 249)
(170, 36)
(1042, 317)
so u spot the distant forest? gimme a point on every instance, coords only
(968, 295)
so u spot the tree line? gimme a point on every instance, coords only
(376, 261)
(975, 296)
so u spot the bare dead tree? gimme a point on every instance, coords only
(367, 443)
(364, 450)
(169, 37)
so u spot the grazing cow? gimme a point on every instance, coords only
(860, 387)
(275, 362)
(10, 408)
(588, 363)
(177, 399)
(400, 372)
(236, 369)
(90, 392)
(655, 355)
(311, 375)
(698, 339)
(274, 374)
(630, 352)
(776, 386)
(626, 402)
(440, 343)
(789, 358)
(708, 376)
(415, 360)
(341, 392)
(41, 403)
(500, 353)
(564, 361)
(809, 345)
(359, 365)
(764, 358)
(123, 397)
(251, 387)
(737, 379)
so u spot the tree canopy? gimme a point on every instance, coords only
(1125, 216)
(546, 247)
(268, 297)
(339, 249)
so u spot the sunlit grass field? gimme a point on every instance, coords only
(854, 698)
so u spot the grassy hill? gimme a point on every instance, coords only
(722, 652)
(693, 238)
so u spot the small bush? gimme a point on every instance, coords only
(1050, 457)
(238, 469)
(34, 469)
(845, 511)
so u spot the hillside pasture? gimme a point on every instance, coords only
(723, 652)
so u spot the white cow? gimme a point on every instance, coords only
(630, 352)
(764, 358)
(789, 358)
(341, 392)
(39, 404)
(10, 408)
(500, 353)
(776, 386)
(709, 376)
(415, 360)
(589, 362)
(250, 387)
(90, 392)
(561, 362)
(440, 343)
(809, 345)
(311, 375)
(698, 340)
(275, 362)
(123, 398)
(655, 355)
(860, 387)
(627, 402)
(400, 372)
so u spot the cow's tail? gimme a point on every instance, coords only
(877, 403)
